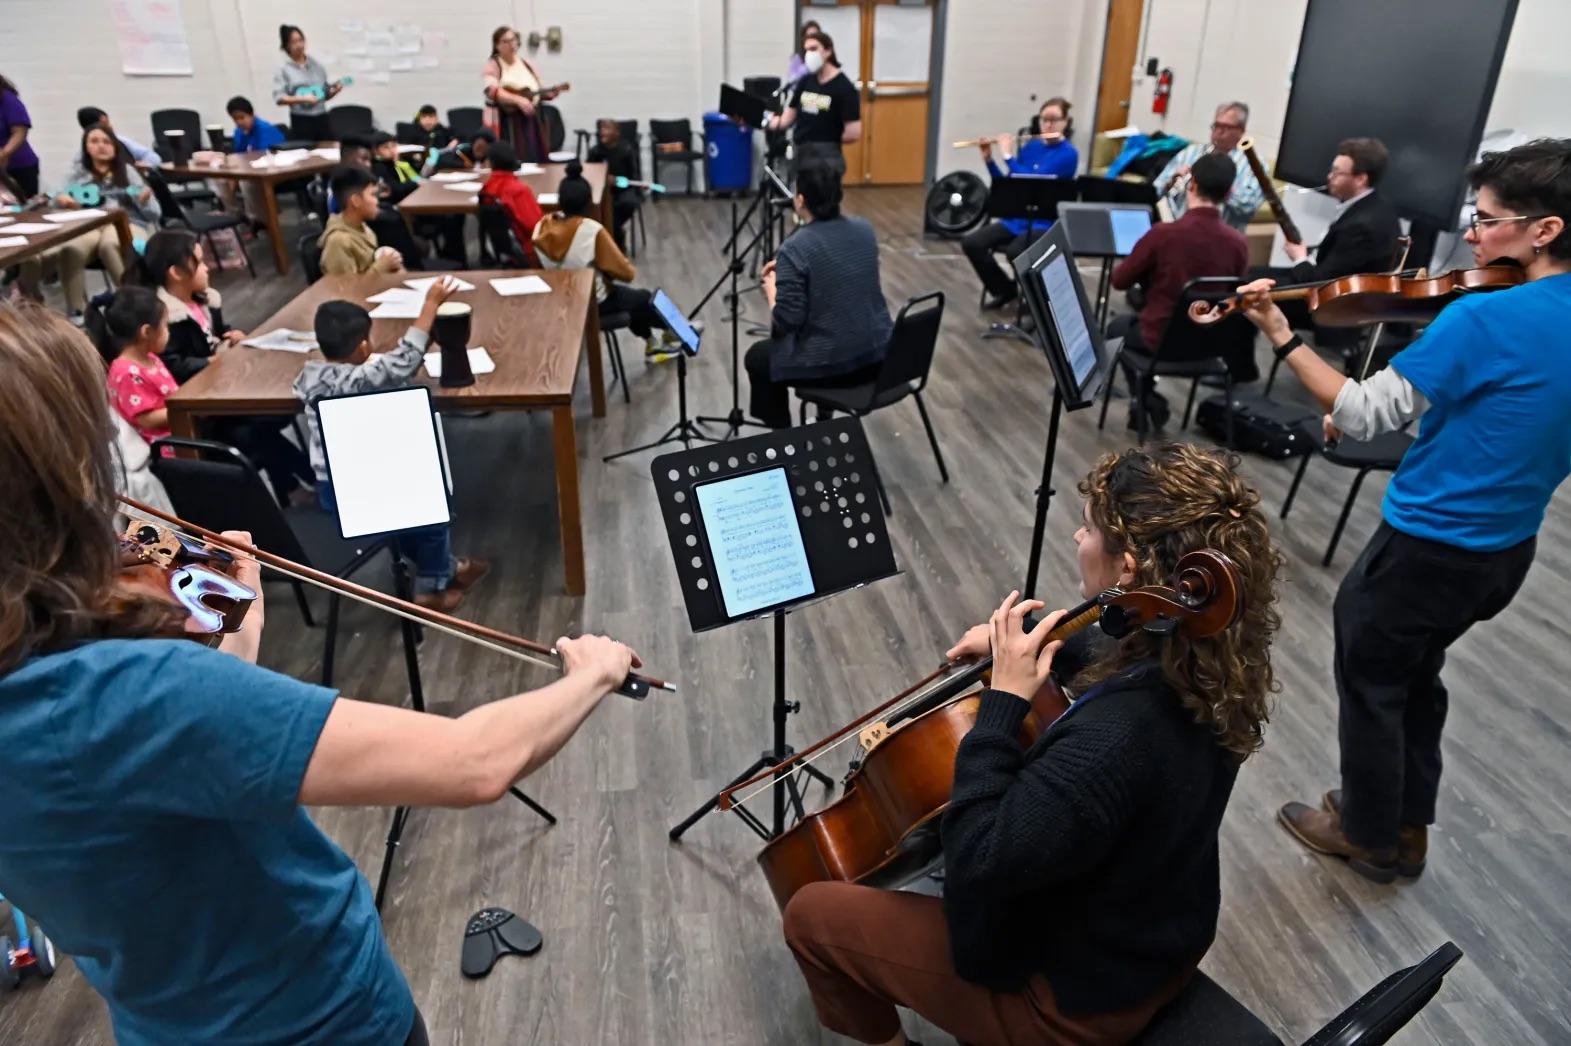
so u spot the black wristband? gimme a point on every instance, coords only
(1293, 343)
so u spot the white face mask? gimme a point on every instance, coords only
(814, 60)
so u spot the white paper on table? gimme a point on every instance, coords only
(283, 340)
(508, 286)
(529, 168)
(4, 220)
(424, 283)
(453, 176)
(72, 216)
(13, 241)
(326, 153)
(480, 362)
(406, 308)
(405, 149)
(562, 156)
(396, 294)
(29, 228)
(547, 199)
(473, 187)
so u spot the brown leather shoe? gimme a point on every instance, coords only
(1322, 833)
(445, 601)
(1412, 843)
(468, 570)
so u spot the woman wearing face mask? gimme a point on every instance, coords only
(301, 84)
(829, 325)
(825, 109)
(797, 67)
(512, 98)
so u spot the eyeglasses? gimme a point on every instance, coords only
(1474, 221)
(1220, 126)
(1055, 119)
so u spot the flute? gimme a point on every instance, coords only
(994, 139)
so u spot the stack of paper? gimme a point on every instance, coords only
(469, 187)
(283, 340)
(510, 285)
(72, 216)
(529, 168)
(480, 362)
(401, 308)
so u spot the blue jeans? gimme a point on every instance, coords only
(431, 548)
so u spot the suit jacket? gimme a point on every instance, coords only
(1362, 239)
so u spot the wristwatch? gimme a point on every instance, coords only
(1292, 343)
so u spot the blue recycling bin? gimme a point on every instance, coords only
(728, 154)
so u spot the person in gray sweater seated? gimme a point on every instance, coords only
(829, 325)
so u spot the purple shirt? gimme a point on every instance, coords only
(14, 114)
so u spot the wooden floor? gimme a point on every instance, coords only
(653, 942)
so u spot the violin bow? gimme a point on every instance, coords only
(490, 638)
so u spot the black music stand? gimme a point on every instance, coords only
(1095, 231)
(811, 495)
(1033, 198)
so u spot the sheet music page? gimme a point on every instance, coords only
(756, 542)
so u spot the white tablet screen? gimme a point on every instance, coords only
(756, 541)
(384, 460)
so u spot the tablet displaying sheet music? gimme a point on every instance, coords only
(755, 541)
(385, 460)
(676, 322)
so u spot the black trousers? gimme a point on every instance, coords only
(770, 401)
(624, 205)
(262, 440)
(642, 316)
(979, 246)
(26, 179)
(1401, 605)
(417, 1032)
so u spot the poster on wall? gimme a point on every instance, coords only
(152, 37)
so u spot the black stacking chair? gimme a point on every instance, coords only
(204, 224)
(1384, 453)
(347, 120)
(189, 123)
(217, 487)
(1188, 350)
(311, 257)
(464, 121)
(555, 129)
(498, 245)
(904, 373)
(674, 132)
(409, 133)
(610, 323)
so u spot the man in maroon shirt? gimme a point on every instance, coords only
(1173, 253)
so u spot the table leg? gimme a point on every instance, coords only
(596, 353)
(182, 423)
(274, 233)
(564, 441)
(123, 230)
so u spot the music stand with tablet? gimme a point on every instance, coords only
(387, 462)
(748, 108)
(1106, 231)
(684, 431)
(763, 526)
(1033, 198)
(1067, 331)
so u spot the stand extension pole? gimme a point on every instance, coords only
(735, 420)
(1044, 495)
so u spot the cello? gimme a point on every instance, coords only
(883, 829)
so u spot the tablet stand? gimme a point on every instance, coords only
(833, 489)
(1034, 199)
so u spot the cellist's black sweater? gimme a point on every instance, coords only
(1090, 857)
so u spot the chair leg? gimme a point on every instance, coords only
(1292, 491)
(618, 368)
(305, 607)
(1144, 387)
(1276, 363)
(801, 413)
(1347, 510)
(1189, 404)
(1227, 391)
(643, 233)
(883, 495)
(1107, 388)
(240, 242)
(932, 437)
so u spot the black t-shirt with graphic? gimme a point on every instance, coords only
(823, 110)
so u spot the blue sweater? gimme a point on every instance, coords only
(1053, 159)
(263, 136)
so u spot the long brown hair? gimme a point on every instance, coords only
(59, 559)
(1157, 505)
(118, 163)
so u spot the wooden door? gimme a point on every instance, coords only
(1119, 51)
(884, 47)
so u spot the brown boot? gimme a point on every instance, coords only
(1412, 843)
(445, 601)
(468, 570)
(1322, 833)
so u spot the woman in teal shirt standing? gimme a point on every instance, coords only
(158, 828)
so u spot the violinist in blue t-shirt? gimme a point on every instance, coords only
(1492, 381)
(1039, 155)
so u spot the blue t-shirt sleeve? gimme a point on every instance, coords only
(174, 727)
(1451, 360)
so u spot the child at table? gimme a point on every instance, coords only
(518, 199)
(343, 333)
(252, 134)
(348, 245)
(455, 157)
(131, 330)
(432, 134)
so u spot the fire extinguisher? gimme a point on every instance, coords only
(1164, 89)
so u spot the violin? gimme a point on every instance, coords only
(204, 594)
(192, 574)
(1361, 300)
(884, 829)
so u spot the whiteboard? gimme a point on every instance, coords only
(152, 37)
(844, 26)
(902, 42)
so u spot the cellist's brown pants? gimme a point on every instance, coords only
(865, 951)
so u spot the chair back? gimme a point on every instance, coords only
(555, 129)
(350, 120)
(664, 132)
(496, 231)
(186, 121)
(1186, 340)
(465, 120)
(409, 133)
(911, 343)
(1382, 1011)
(311, 257)
(316, 194)
(168, 202)
(631, 135)
(217, 487)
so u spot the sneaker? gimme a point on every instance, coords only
(77, 318)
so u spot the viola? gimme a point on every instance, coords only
(1369, 298)
(194, 575)
(884, 828)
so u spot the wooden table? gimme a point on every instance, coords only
(435, 197)
(535, 339)
(240, 167)
(39, 242)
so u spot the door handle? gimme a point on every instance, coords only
(912, 91)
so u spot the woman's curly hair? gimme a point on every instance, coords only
(1157, 505)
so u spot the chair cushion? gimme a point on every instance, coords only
(614, 321)
(852, 398)
(1385, 451)
(1206, 1013)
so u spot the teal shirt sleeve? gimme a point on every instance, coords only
(1451, 361)
(173, 727)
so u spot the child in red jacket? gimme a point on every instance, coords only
(503, 187)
